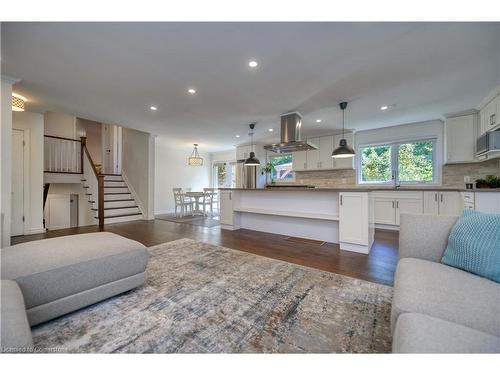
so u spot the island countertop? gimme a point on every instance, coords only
(363, 189)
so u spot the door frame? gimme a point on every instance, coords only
(26, 179)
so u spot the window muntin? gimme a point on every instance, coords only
(412, 162)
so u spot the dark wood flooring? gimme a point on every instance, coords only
(378, 266)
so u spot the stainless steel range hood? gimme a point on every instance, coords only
(290, 135)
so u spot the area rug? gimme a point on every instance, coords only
(200, 221)
(201, 298)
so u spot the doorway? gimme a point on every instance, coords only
(17, 202)
(111, 148)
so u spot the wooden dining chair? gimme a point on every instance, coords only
(209, 199)
(182, 202)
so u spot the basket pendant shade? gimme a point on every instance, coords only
(344, 150)
(17, 103)
(195, 158)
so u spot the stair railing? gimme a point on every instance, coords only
(93, 175)
(62, 155)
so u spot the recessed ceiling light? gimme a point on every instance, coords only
(253, 64)
(271, 129)
(237, 136)
(153, 108)
(384, 108)
(192, 91)
(318, 120)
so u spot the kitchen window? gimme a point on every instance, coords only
(407, 163)
(282, 167)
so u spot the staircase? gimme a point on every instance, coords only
(119, 204)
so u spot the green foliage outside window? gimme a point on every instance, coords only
(376, 164)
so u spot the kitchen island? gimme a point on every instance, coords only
(332, 215)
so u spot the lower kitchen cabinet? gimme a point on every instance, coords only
(390, 205)
(446, 203)
(226, 207)
(354, 221)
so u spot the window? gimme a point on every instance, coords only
(402, 162)
(282, 168)
(224, 174)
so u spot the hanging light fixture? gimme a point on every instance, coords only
(252, 160)
(18, 102)
(343, 151)
(195, 158)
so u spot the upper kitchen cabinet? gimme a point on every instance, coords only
(344, 163)
(460, 138)
(243, 152)
(489, 115)
(321, 158)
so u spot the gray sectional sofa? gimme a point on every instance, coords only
(437, 308)
(45, 279)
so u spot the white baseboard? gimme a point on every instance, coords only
(394, 228)
(164, 212)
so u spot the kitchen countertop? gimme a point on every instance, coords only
(365, 189)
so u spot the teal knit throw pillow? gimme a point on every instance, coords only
(474, 244)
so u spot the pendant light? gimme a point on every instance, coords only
(195, 158)
(252, 160)
(343, 151)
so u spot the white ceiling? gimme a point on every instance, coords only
(113, 72)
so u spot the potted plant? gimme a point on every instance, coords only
(493, 181)
(268, 169)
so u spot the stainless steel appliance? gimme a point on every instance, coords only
(488, 142)
(290, 135)
(249, 177)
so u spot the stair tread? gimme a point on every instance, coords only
(114, 193)
(122, 215)
(107, 181)
(119, 200)
(115, 208)
(110, 174)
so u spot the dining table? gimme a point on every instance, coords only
(197, 196)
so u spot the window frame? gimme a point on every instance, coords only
(277, 180)
(394, 145)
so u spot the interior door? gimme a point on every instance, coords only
(17, 203)
(57, 211)
(111, 148)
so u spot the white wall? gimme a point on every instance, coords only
(229, 155)
(60, 125)
(85, 214)
(172, 170)
(32, 124)
(138, 167)
(5, 164)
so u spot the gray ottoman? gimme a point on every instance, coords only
(64, 274)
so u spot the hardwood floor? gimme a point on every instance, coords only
(378, 266)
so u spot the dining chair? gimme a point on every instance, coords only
(182, 202)
(210, 199)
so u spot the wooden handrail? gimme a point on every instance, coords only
(100, 183)
(63, 138)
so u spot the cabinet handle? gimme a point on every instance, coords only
(230, 196)
(441, 197)
(341, 200)
(492, 119)
(392, 204)
(397, 204)
(436, 197)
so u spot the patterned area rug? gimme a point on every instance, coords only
(203, 298)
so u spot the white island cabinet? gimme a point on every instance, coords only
(326, 215)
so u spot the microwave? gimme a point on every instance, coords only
(489, 141)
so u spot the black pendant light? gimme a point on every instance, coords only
(343, 151)
(252, 160)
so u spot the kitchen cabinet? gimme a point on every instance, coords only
(344, 163)
(489, 116)
(460, 139)
(321, 158)
(447, 203)
(299, 161)
(389, 206)
(353, 210)
(312, 156)
(226, 208)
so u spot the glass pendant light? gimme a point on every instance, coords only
(195, 158)
(252, 160)
(343, 151)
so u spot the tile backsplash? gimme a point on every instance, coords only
(452, 175)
